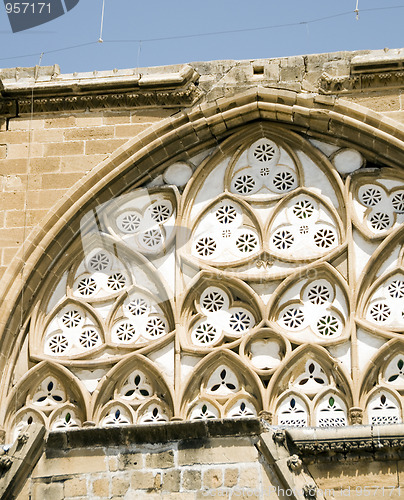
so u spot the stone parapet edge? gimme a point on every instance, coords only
(152, 433)
(309, 440)
(315, 440)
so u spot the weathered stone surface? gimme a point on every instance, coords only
(75, 462)
(130, 461)
(101, 487)
(120, 484)
(230, 477)
(360, 474)
(76, 487)
(50, 491)
(212, 478)
(249, 477)
(219, 450)
(171, 480)
(160, 460)
(191, 479)
(142, 480)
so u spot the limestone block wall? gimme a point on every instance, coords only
(359, 478)
(135, 464)
(225, 466)
(242, 458)
(43, 156)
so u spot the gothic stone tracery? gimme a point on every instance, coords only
(262, 276)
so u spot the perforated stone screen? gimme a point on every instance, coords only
(262, 275)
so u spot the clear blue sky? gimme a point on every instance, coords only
(134, 20)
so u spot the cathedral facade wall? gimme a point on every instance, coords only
(203, 245)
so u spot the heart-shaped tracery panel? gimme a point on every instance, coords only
(227, 233)
(139, 319)
(144, 219)
(72, 331)
(219, 314)
(100, 276)
(314, 309)
(378, 201)
(264, 169)
(304, 227)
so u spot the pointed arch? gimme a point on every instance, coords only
(390, 251)
(376, 367)
(386, 311)
(330, 409)
(179, 138)
(355, 124)
(383, 406)
(115, 413)
(66, 417)
(133, 381)
(199, 384)
(24, 394)
(334, 374)
(292, 409)
(312, 306)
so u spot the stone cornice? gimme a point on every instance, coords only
(57, 94)
(46, 90)
(378, 71)
(355, 83)
(344, 440)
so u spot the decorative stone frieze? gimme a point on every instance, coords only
(175, 98)
(351, 442)
(53, 92)
(359, 83)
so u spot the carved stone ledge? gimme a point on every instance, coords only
(182, 97)
(22, 456)
(361, 82)
(349, 441)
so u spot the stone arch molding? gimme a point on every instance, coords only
(205, 247)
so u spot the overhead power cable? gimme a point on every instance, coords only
(212, 33)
